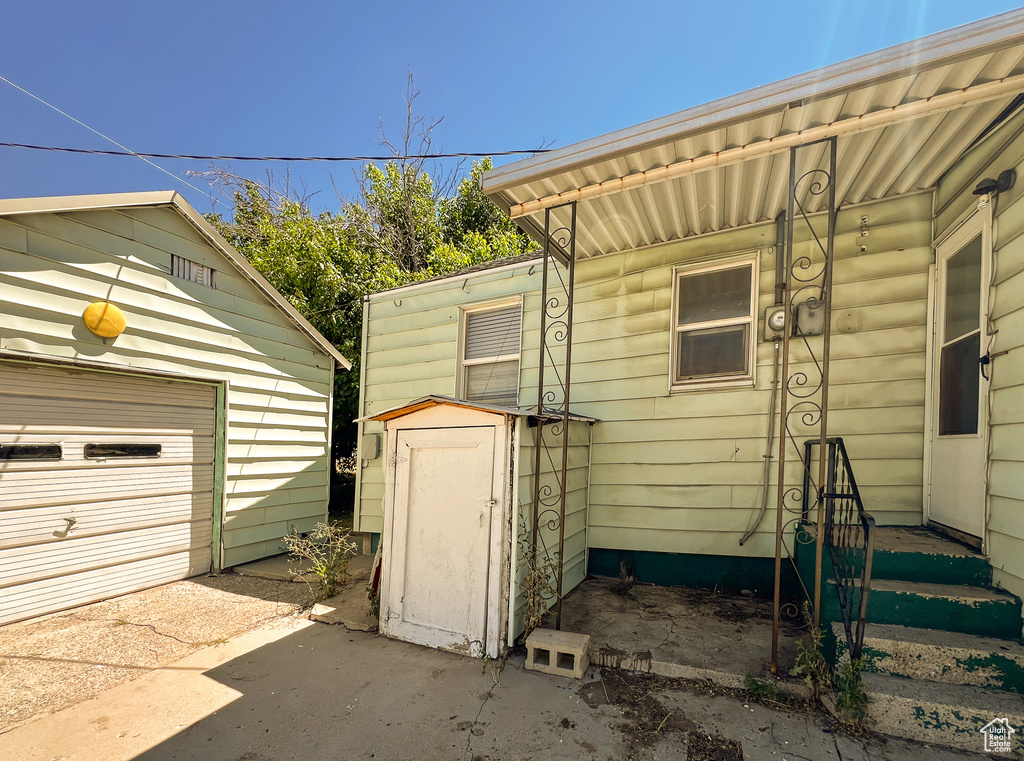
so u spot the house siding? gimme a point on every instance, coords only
(679, 472)
(278, 382)
(411, 349)
(1003, 149)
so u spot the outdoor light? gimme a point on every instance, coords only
(1004, 182)
(104, 319)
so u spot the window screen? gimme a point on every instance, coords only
(714, 324)
(490, 361)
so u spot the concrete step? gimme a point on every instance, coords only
(917, 554)
(907, 554)
(941, 714)
(938, 656)
(950, 607)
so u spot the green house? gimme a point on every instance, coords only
(863, 222)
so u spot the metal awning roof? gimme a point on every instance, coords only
(902, 115)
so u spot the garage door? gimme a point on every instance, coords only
(106, 485)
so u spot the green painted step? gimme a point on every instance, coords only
(951, 607)
(938, 656)
(941, 714)
(909, 554)
(950, 567)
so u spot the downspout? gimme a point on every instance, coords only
(780, 285)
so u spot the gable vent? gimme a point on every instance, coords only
(192, 271)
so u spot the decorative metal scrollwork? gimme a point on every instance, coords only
(804, 404)
(553, 395)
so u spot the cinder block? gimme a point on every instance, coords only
(559, 653)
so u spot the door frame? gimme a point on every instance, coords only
(975, 221)
(499, 550)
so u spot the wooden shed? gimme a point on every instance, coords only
(164, 411)
(457, 525)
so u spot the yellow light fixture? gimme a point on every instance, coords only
(104, 319)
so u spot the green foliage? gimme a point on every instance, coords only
(852, 701)
(812, 665)
(328, 550)
(399, 231)
(767, 692)
(373, 596)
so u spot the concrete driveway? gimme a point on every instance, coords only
(310, 691)
(55, 661)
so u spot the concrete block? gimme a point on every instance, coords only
(559, 653)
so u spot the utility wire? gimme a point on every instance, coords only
(127, 151)
(194, 156)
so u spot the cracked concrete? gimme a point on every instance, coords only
(311, 691)
(678, 632)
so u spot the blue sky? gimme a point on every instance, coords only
(309, 78)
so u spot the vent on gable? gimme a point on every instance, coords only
(192, 271)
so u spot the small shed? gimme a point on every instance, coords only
(458, 521)
(164, 411)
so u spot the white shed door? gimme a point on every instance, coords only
(441, 536)
(106, 485)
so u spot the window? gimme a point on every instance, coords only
(192, 271)
(714, 323)
(30, 452)
(114, 451)
(490, 354)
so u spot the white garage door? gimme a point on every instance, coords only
(106, 485)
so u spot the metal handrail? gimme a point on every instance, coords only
(850, 537)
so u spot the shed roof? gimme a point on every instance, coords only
(172, 199)
(434, 400)
(903, 116)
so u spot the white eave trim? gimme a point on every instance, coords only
(56, 204)
(909, 57)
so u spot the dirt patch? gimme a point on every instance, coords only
(702, 747)
(649, 721)
(56, 661)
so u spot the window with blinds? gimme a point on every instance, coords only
(490, 358)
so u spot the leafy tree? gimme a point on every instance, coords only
(407, 224)
(398, 232)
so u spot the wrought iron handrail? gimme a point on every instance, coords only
(850, 537)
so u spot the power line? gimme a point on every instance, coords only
(128, 151)
(199, 157)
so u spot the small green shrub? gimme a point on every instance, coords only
(852, 701)
(812, 665)
(328, 550)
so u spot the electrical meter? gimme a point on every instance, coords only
(775, 323)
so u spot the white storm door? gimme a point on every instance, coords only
(960, 390)
(441, 536)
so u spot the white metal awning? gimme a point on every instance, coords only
(903, 116)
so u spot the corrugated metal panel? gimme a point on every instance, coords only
(883, 163)
(88, 519)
